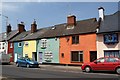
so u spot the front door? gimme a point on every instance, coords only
(34, 56)
(40, 57)
(15, 58)
(93, 55)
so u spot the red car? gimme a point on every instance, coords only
(103, 64)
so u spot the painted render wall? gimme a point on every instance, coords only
(53, 47)
(30, 48)
(11, 50)
(1, 46)
(101, 46)
(18, 50)
(87, 43)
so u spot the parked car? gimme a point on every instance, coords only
(4, 58)
(28, 62)
(103, 64)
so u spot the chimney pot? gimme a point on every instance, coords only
(8, 28)
(33, 27)
(21, 27)
(101, 13)
(71, 20)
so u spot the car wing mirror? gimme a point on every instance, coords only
(95, 62)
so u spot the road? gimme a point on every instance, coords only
(11, 71)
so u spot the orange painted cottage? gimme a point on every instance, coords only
(78, 43)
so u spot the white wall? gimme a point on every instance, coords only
(1, 46)
(101, 46)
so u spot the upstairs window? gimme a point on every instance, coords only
(26, 44)
(43, 43)
(11, 45)
(111, 38)
(75, 39)
(19, 44)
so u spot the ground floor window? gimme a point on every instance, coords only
(77, 56)
(112, 53)
(48, 56)
(26, 55)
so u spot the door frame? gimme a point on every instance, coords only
(34, 56)
(15, 57)
(94, 54)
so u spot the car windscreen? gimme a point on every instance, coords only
(30, 59)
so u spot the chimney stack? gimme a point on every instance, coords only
(33, 27)
(8, 28)
(21, 27)
(101, 13)
(71, 20)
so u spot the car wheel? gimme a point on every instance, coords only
(87, 69)
(118, 70)
(17, 64)
(28, 65)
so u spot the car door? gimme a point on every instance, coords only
(23, 62)
(98, 64)
(111, 64)
(20, 61)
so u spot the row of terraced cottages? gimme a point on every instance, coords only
(72, 43)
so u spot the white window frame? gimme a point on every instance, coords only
(11, 45)
(26, 55)
(48, 56)
(79, 53)
(26, 44)
(19, 44)
(3, 45)
(43, 43)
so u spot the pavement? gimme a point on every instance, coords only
(52, 66)
(60, 67)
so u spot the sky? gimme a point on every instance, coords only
(48, 14)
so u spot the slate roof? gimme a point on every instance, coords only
(10, 35)
(82, 27)
(111, 23)
(27, 35)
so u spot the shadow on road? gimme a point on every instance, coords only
(103, 72)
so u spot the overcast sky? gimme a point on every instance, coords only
(51, 13)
